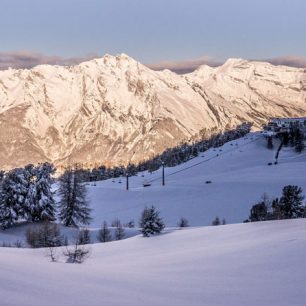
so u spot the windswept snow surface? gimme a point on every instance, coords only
(239, 173)
(243, 264)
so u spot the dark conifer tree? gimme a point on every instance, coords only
(2, 173)
(259, 212)
(73, 207)
(65, 193)
(291, 202)
(183, 222)
(216, 221)
(299, 141)
(276, 210)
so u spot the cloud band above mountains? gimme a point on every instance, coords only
(26, 59)
(186, 66)
(292, 61)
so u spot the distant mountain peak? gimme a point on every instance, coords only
(234, 61)
(114, 110)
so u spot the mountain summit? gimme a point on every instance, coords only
(114, 110)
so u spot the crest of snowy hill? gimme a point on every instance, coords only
(243, 264)
(115, 110)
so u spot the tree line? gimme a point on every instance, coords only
(169, 158)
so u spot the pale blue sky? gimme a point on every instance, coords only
(154, 30)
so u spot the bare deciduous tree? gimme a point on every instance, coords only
(76, 253)
(119, 232)
(183, 223)
(52, 254)
(104, 234)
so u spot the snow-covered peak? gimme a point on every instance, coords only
(204, 71)
(115, 110)
(234, 62)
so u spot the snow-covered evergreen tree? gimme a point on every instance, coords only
(39, 202)
(150, 222)
(73, 207)
(26, 194)
(12, 197)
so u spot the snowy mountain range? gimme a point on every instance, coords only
(114, 110)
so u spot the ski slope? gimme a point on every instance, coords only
(239, 173)
(250, 264)
(239, 264)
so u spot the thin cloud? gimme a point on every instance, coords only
(290, 60)
(185, 66)
(26, 59)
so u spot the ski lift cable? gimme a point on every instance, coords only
(204, 161)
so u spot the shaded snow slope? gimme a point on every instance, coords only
(114, 110)
(243, 264)
(239, 173)
(17, 234)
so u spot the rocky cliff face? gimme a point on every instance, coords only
(114, 110)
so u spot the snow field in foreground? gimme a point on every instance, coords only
(240, 264)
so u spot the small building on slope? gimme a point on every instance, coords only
(281, 125)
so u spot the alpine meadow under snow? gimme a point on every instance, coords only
(259, 263)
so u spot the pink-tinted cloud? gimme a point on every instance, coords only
(190, 65)
(26, 59)
(185, 66)
(290, 60)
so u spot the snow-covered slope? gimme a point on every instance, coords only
(239, 173)
(114, 110)
(237, 264)
(244, 264)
